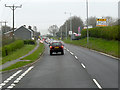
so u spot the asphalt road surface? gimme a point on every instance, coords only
(78, 68)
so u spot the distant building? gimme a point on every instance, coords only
(23, 33)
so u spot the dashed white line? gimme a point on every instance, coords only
(68, 50)
(83, 65)
(76, 57)
(98, 85)
(20, 77)
(11, 77)
(71, 53)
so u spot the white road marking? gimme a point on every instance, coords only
(98, 85)
(71, 53)
(20, 77)
(105, 54)
(76, 57)
(68, 50)
(12, 84)
(83, 65)
(11, 77)
(10, 87)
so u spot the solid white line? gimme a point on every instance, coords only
(105, 54)
(83, 65)
(76, 57)
(98, 85)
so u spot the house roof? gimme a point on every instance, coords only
(17, 29)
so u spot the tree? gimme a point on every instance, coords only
(76, 22)
(53, 29)
(91, 21)
(5, 29)
(111, 21)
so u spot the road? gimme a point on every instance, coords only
(78, 68)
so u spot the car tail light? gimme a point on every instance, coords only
(62, 46)
(50, 47)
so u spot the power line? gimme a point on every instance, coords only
(13, 9)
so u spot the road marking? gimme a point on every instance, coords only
(11, 77)
(76, 57)
(20, 77)
(105, 54)
(68, 50)
(83, 65)
(71, 53)
(98, 85)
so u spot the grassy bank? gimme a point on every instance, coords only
(106, 46)
(34, 56)
(18, 53)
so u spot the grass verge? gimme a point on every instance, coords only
(18, 53)
(98, 44)
(34, 56)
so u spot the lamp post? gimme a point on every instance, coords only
(87, 22)
(70, 22)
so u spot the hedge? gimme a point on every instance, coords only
(109, 32)
(7, 49)
(29, 42)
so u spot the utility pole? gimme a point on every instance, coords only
(70, 23)
(87, 23)
(61, 33)
(66, 30)
(13, 9)
(5, 25)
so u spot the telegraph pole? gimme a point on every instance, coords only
(13, 9)
(5, 25)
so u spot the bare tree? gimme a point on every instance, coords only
(53, 29)
(92, 21)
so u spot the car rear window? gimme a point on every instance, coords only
(56, 44)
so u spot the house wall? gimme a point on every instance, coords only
(23, 33)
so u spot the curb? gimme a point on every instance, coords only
(25, 65)
(102, 53)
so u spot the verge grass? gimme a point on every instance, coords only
(32, 57)
(98, 44)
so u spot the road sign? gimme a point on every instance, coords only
(101, 22)
(70, 32)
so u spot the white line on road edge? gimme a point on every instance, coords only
(98, 85)
(76, 57)
(105, 54)
(83, 65)
(11, 77)
(20, 77)
(71, 53)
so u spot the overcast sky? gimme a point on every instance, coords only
(44, 13)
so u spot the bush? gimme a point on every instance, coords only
(29, 42)
(7, 49)
(109, 32)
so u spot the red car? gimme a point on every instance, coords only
(56, 47)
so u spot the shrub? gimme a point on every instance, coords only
(109, 32)
(7, 49)
(29, 42)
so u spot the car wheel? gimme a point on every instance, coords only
(50, 53)
(62, 52)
